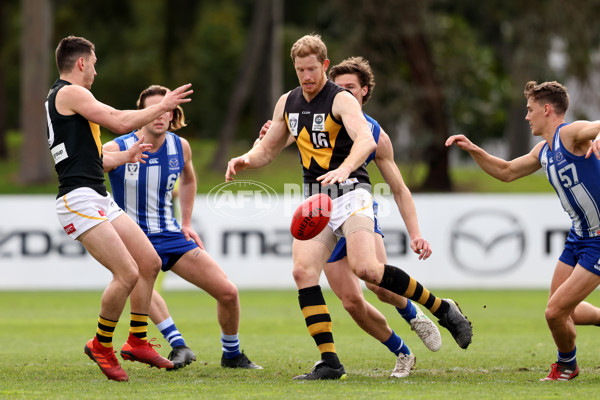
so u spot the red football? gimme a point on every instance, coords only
(311, 217)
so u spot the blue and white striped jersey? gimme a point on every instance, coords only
(145, 191)
(576, 181)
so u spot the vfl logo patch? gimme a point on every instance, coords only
(293, 123)
(132, 171)
(173, 163)
(59, 153)
(69, 229)
(318, 122)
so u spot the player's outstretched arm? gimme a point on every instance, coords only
(265, 128)
(506, 171)
(384, 158)
(113, 157)
(264, 151)
(75, 99)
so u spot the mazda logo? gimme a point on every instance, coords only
(487, 242)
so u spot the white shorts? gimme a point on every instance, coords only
(83, 208)
(355, 202)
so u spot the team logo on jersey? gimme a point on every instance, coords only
(173, 163)
(132, 171)
(153, 161)
(559, 156)
(318, 122)
(59, 153)
(293, 123)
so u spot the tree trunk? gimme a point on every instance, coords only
(3, 144)
(270, 72)
(431, 118)
(250, 64)
(35, 50)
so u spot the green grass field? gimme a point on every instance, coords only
(43, 334)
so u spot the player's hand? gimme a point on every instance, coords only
(262, 133)
(338, 175)
(136, 152)
(235, 165)
(421, 247)
(190, 233)
(264, 129)
(461, 141)
(594, 148)
(178, 96)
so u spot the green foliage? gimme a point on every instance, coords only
(474, 85)
(210, 58)
(284, 169)
(44, 334)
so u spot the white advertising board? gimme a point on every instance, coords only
(478, 241)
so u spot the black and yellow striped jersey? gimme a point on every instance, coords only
(323, 142)
(75, 146)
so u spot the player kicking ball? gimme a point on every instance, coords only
(334, 141)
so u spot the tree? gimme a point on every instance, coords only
(37, 17)
(3, 146)
(393, 36)
(430, 100)
(253, 55)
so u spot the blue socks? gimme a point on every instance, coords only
(170, 332)
(231, 345)
(396, 345)
(409, 312)
(567, 358)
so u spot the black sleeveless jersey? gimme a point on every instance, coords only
(75, 146)
(323, 142)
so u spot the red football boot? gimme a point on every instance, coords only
(136, 349)
(561, 372)
(106, 360)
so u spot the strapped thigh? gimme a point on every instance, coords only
(357, 222)
(328, 238)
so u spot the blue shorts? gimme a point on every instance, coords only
(170, 246)
(340, 252)
(582, 251)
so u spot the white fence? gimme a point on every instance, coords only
(478, 241)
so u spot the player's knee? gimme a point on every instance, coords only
(381, 293)
(128, 277)
(151, 267)
(353, 304)
(304, 275)
(553, 314)
(229, 295)
(366, 271)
